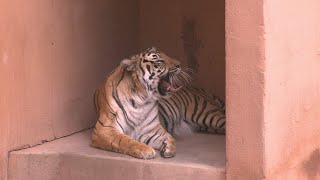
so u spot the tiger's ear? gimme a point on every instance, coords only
(152, 49)
(129, 64)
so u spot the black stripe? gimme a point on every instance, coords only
(159, 136)
(111, 111)
(195, 108)
(143, 72)
(121, 78)
(187, 93)
(164, 113)
(181, 95)
(116, 98)
(211, 119)
(162, 72)
(114, 70)
(103, 124)
(206, 116)
(133, 103)
(151, 76)
(120, 125)
(148, 68)
(151, 120)
(140, 137)
(94, 132)
(149, 139)
(219, 120)
(204, 105)
(120, 140)
(178, 100)
(222, 125)
(154, 106)
(174, 102)
(174, 111)
(164, 104)
(179, 107)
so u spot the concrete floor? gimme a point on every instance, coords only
(201, 156)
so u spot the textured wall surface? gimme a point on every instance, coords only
(192, 31)
(53, 53)
(292, 111)
(273, 89)
(245, 89)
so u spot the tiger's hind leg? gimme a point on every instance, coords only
(108, 137)
(212, 121)
(215, 124)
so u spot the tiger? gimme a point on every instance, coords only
(127, 106)
(145, 100)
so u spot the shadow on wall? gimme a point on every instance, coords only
(191, 31)
(203, 43)
(191, 43)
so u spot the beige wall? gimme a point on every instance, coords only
(245, 74)
(273, 89)
(186, 28)
(52, 56)
(292, 107)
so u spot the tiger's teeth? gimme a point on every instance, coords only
(169, 87)
(172, 89)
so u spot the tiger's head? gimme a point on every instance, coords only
(160, 74)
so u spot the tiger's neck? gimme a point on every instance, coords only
(140, 107)
(136, 93)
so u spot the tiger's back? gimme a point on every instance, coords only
(199, 109)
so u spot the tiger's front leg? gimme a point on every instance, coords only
(168, 148)
(161, 140)
(106, 136)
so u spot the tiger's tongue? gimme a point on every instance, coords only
(170, 88)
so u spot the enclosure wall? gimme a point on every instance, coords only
(53, 53)
(245, 79)
(191, 31)
(292, 111)
(273, 89)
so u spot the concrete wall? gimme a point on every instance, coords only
(53, 53)
(245, 78)
(292, 109)
(273, 89)
(192, 31)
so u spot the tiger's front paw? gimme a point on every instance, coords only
(168, 148)
(143, 151)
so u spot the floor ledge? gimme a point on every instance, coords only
(201, 156)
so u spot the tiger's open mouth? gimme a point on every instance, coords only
(166, 87)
